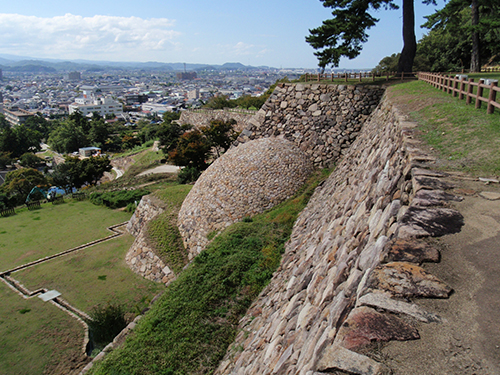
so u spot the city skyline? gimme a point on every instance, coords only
(258, 33)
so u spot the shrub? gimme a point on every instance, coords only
(106, 322)
(117, 199)
(188, 175)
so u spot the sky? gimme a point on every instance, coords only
(251, 32)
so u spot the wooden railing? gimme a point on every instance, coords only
(360, 76)
(462, 87)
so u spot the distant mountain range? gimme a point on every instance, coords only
(11, 63)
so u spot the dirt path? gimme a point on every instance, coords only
(468, 342)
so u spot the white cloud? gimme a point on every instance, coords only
(72, 36)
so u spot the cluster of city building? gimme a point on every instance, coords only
(129, 95)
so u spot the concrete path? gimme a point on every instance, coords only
(165, 168)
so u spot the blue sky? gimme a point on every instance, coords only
(257, 32)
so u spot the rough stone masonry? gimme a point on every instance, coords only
(322, 120)
(352, 263)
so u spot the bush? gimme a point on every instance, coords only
(106, 322)
(117, 199)
(188, 175)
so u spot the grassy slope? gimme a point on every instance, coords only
(466, 139)
(31, 235)
(31, 341)
(163, 230)
(191, 325)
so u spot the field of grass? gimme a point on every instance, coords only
(188, 330)
(35, 335)
(466, 139)
(31, 235)
(95, 275)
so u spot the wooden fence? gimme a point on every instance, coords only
(460, 86)
(360, 76)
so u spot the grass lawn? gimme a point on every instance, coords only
(35, 335)
(95, 275)
(465, 139)
(31, 235)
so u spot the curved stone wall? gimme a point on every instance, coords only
(322, 120)
(354, 252)
(245, 181)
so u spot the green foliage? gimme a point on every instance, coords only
(220, 102)
(192, 150)
(30, 160)
(19, 183)
(452, 34)
(168, 133)
(187, 175)
(220, 134)
(106, 322)
(343, 35)
(75, 173)
(388, 64)
(117, 199)
(188, 330)
(69, 136)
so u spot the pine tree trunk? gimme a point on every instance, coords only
(475, 64)
(409, 41)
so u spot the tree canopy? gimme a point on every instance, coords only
(344, 34)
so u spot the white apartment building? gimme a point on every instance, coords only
(103, 106)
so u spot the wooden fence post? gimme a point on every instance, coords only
(462, 87)
(492, 97)
(479, 93)
(469, 91)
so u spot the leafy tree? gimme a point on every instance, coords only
(474, 24)
(388, 64)
(69, 136)
(192, 150)
(80, 121)
(40, 124)
(19, 183)
(220, 134)
(99, 132)
(343, 35)
(220, 102)
(8, 142)
(29, 160)
(171, 116)
(168, 133)
(3, 122)
(74, 173)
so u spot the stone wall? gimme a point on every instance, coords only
(323, 120)
(353, 254)
(245, 181)
(202, 117)
(141, 257)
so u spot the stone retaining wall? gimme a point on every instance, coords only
(141, 258)
(323, 120)
(200, 118)
(353, 252)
